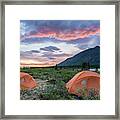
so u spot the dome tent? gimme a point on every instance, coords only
(27, 81)
(84, 79)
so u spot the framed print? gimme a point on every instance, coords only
(60, 59)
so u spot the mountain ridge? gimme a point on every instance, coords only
(91, 56)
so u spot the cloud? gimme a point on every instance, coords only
(32, 54)
(35, 51)
(64, 30)
(65, 36)
(41, 25)
(50, 48)
(28, 53)
(27, 41)
(50, 58)
(85, 43)
(52, 55)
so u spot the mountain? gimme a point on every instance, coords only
(91, 56)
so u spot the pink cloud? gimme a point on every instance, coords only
(66, 36)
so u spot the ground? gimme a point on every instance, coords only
(51, 84)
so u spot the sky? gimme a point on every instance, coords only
(46, 43)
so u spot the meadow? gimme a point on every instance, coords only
(51, 85)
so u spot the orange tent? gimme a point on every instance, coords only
(27, 81)
(84, 79)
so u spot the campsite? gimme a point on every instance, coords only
(51, 85)
(59, 59)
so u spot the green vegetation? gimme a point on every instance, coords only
(51, 84)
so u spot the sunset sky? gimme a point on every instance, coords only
(48, 42)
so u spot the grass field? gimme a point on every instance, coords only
(51, 84)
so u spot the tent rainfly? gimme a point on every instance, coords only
(84, 79)
(27, 81)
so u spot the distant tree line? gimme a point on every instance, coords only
(83, 66)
